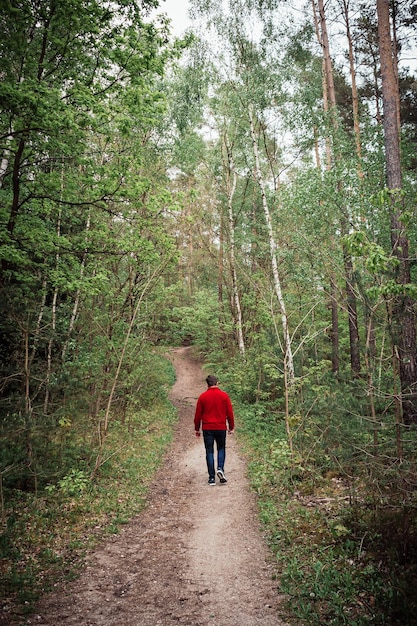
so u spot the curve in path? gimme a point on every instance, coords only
(194, 556)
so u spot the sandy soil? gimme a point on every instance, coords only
(194, 556)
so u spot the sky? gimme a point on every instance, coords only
(177, 12)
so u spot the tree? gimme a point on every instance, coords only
(329, 96)
(231, 180)
(81, 217)
(403, 315)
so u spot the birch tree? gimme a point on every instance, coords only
(329, 87)
(231, 181)
(288, 356)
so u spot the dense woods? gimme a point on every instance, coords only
(249, 189)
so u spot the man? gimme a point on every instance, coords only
(214, 413)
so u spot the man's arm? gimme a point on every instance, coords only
(230, 416)
(197, 417)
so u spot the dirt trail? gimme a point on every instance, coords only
(195, 556)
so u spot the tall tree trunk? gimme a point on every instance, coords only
(334, 333)
(190, 241)
(4, 163)
(74, 312)
(355, 99)
(355, 361)
(351, 298)
(53, 307)
(328, 64)
(49, 353)
(404, 320)
(370, 368)
(334, 307)
(347, 261)
(37, 330)
(16, 187)
(220, 264)
(288, 356)
(231, 188)
(395, 48)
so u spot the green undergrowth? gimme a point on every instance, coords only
(46, 535)
(335, 560)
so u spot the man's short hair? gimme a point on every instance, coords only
(211, 380)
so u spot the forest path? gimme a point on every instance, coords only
(194, 556)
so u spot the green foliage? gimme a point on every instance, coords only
(81, 231)
(376, 259)
(37, 549)
(190, 319)
(333, 564)
(73, 484)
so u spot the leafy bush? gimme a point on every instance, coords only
(341, 558)
(36, 548)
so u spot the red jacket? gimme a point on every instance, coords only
(214, 411)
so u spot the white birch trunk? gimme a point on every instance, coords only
(53, 328)
(4, 164)
(231, 188)
(273, 248)
(77, 295)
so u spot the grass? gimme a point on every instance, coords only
(334, 563)
(46, 536)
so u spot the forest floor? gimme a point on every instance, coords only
(195, 555)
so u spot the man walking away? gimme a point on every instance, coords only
(214, 414)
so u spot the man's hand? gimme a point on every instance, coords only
(231, 432)
(197, 433)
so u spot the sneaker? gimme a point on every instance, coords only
(220, 474)
(211, 481)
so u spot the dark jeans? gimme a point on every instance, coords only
(218, 436)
